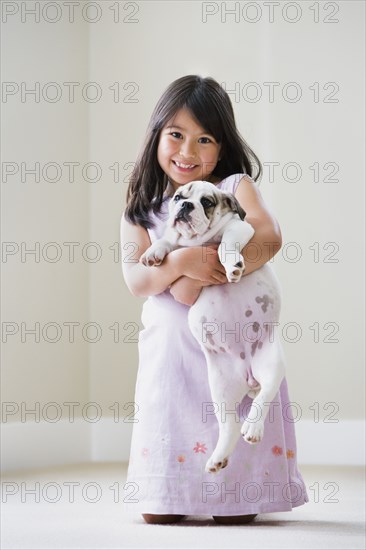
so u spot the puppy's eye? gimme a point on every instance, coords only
(206, 203)
(177, 197)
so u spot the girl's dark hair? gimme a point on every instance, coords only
(210, 105)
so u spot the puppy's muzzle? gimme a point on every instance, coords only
(183, 213)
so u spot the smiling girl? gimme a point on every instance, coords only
(192, 136)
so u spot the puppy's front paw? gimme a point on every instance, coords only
(153, 256)
(234, 272)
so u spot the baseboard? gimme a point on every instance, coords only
(28, 445)
(33, 445)
(338, 443)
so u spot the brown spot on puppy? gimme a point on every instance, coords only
(254, 347)
(266, 301)
(210, 339)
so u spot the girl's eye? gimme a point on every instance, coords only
(206, 138)
(176, 134)
(206, 203)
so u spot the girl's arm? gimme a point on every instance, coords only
(266, 241)
(148, 281)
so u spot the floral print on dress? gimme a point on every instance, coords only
(200, 448)
(277, 451)
(145, 451)
(290, 453)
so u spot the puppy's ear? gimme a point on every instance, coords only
(234, 205)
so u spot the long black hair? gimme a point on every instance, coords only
(210, 105)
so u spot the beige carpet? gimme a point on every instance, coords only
(319, 524)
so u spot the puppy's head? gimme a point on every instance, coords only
(198, 206)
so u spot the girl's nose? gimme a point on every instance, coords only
(187, 151)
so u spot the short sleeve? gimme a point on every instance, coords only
(231, 183)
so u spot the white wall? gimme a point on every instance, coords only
(166, 41)
(35, 288)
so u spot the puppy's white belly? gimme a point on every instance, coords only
(235, 325)
(238, 319)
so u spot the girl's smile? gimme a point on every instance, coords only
(186, 152)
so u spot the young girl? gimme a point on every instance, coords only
(192, 136)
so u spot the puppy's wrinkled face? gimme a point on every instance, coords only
(198, 206)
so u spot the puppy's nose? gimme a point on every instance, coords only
(186, 206)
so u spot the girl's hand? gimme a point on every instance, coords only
(186, 290)
(202, 263)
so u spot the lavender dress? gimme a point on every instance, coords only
(172, 439)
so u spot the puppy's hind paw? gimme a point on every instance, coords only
(252, 432)
(214, 467)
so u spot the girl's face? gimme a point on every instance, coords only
(185, 151)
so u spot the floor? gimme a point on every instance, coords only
(80, 507)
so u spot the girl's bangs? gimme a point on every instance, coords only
(208, 118)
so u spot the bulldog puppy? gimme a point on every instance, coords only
(234, 324)
(200, 213)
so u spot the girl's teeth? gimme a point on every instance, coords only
(184, 165)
